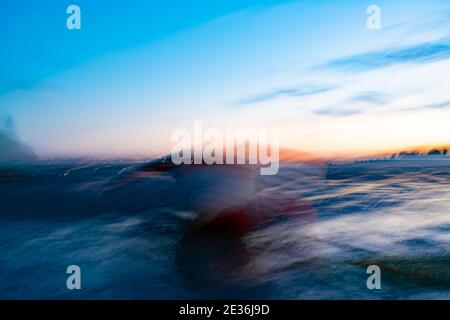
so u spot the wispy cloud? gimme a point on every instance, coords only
(338, 112)
(353, 104)
(419, 53)
(371, 97)
(441, 105)
(299, 91)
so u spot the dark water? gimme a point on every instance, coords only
(133, 243)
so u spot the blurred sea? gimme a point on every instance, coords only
(128, 243)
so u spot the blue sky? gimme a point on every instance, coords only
(38, 44)
(137, 71)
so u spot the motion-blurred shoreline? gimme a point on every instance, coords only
(393, 213)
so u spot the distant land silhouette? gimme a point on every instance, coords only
(432, 152)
